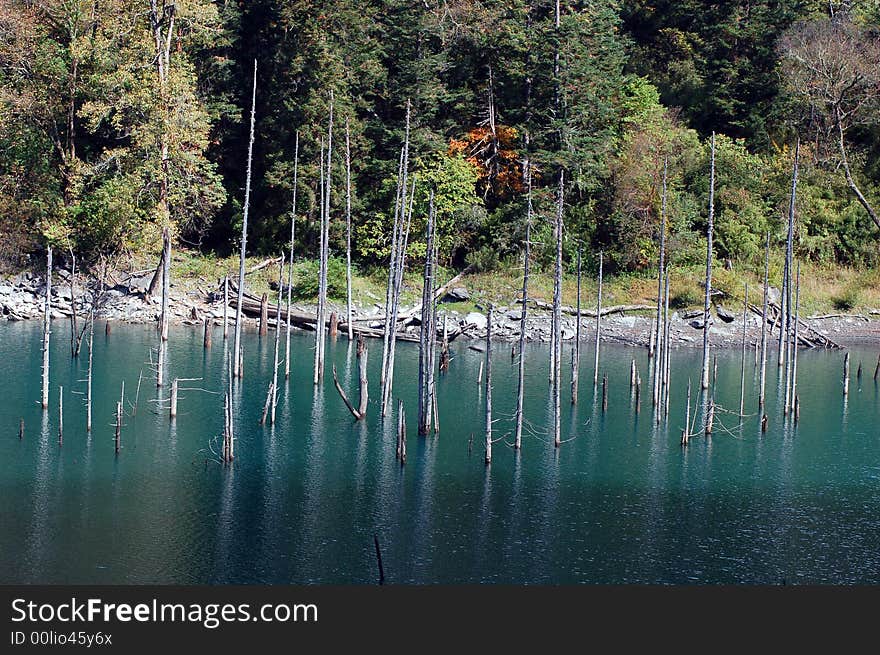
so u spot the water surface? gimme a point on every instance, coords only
(620, 502)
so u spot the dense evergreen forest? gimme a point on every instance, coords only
(118, 117)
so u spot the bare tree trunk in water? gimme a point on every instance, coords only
(557, 315)
(704, 376)
(290, 262)
(598, 322)
(660, 273)
(520, 389)
(47, 321)
(785, 301)
(236, 348)
(489, 385)
(764, 310)
(576, 357)
(348, 231)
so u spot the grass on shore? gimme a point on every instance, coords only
(824, 289)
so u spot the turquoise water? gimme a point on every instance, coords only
(620, 502)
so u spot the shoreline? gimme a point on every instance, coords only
(21, 299)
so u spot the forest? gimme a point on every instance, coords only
(119, 118)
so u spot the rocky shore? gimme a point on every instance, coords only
(22, 295)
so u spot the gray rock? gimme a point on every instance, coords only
(515, 314)
(724, 314)
(477, 319)
(140, 283)
(457, 294)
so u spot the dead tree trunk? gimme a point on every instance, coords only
(667, 330)
(660, 275)
(849, 178)
(264, 315)
(576, 356)
(557, 316)
(395, 266)
(364, 382)
(764, 324)
(334, 325)
(47, 320)
(521, 381)
(704, 379)
(390, 324)
(174, 387)
(166, 282)
(89, 373)
(60, 415)
(137, 394)
(598, 321)
(118, 437)
(325, 252)
(225, 307)
(163, 315)
(401, 432)
(266, 405)
(277, 343)
(604, 392)
(489, 385)
(351, 408)
(742, 370)
(425, 330)
(685, 433)
(227, 451)
(400, 263)
(236, 348)
(75, 336)
(785, 301)
(444, 347)
(432, 347)
(290, 262)
(348, 320)
(794, 347)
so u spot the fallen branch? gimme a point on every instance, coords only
(357, 415)
(613, 309)
(263, 264)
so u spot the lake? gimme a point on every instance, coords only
(619, 502)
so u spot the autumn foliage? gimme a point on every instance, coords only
(496, 159)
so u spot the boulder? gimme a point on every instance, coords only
(724, 315)
(457, 294)
(477, 319)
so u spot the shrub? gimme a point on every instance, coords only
(848, 300)
(305, 279)
(483, 260)
(687, 297)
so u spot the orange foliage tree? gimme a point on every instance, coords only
(493, 153)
